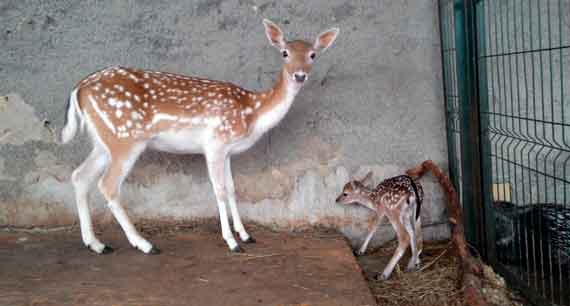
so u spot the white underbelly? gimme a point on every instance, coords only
(181, 142)
(197, 141)
(245, 143)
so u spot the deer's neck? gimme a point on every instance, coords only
(369, 199)
(275, 103)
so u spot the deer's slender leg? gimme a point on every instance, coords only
(408, 218)
(216, 170)
(403, 243)
(372, 228)
(82, 179)
(419, 236)
(230, 187)
(110, 185)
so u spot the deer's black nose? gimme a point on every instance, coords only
(300, 77)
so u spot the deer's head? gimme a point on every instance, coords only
(355, 191)
(298, 55)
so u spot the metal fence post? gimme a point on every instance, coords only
(465, 38)
(488, 227)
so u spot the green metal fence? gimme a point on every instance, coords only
(451, 92)
(506, 66)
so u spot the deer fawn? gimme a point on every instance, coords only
(399, 198)
(128, 110)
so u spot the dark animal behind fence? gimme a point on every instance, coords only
(534, 238)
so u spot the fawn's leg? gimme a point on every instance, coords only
(110, 186)
(408, 219)
(231, 191)
(419, 236)
(403, 243)
(82, 178)
(216, 170)
(372, 227)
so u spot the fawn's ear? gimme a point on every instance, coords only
(367, 179)
(326, 39)
(274, 34)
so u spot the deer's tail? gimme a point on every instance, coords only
(72, 114)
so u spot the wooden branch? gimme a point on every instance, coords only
(471, 267)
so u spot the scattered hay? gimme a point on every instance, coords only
(434, 284)
(496, 291)
(152, 228)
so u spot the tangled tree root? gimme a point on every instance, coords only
(471, 267)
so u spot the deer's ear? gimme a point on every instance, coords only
(366, 180)
(326, 39)
(274, 34)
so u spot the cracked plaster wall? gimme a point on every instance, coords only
(374, 101)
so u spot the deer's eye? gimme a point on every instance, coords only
(345, 194)
(285, 53)
(312, 55)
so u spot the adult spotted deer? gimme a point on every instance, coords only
(399, 198)
(128, 110)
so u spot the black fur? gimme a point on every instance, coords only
(418, 199)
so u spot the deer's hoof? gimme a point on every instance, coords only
(381, 277)
(154, 251)
(107, 249)
(250, 240)
(412, 268)
(237, 249)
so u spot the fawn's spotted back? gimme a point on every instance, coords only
(391, 190)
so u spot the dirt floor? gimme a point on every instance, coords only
(195, 268)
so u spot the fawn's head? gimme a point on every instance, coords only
(355, 191)
(298, 55)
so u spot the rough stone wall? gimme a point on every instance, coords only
(374, 101)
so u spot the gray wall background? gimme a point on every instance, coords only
(374, 101)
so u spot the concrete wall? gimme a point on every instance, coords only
(374, 101)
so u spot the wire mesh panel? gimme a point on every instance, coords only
(518, 80)
(523, 56)
(451, 92)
